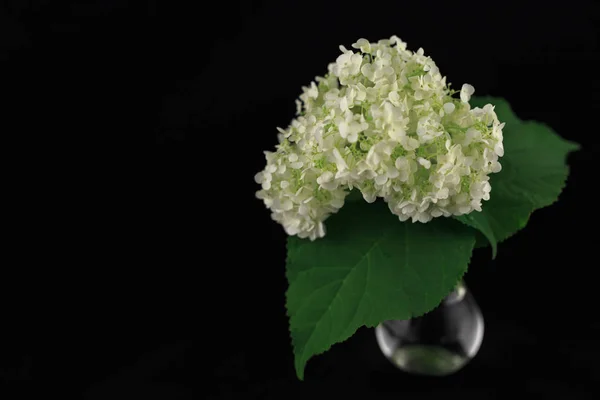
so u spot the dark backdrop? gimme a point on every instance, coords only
(197, 308)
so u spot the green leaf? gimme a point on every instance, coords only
(354, 196)
(534, 172)
(369, 268)
(476, 221)
(481, 240)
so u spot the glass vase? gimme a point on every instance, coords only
(438, 343)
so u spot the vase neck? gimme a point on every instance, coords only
(457, 295)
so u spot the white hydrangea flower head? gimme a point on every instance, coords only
(384, 121)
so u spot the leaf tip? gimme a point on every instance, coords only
(573, 146)
(299, 364)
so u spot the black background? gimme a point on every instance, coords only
(196, 309)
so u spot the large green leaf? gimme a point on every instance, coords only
(483, 225)
(534, 172)
(370, 267)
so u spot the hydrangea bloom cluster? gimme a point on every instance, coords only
(382, 121)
